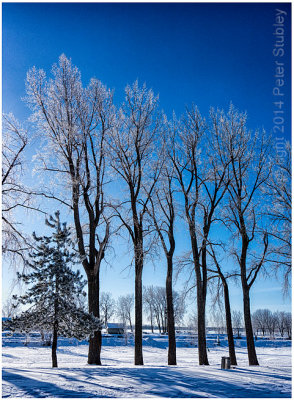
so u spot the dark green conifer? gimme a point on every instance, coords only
(54, 290)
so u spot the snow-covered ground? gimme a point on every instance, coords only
(27, 371)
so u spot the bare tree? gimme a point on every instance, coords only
(148, 304)
(124, 309)
(107, 307)
(15, 195)
(281, 317)
(278, 193)
(160, 307)
(273, 324)
(185, 159)
(10, 308)
(237, 318)
(179, 302)
(74, 123)
(193, 322)
(156, 302)
(265, 320)
(222, 279)
(250, 169)
(217, 318)
(162, 213)
(268, 320)
(201, 169)
(259, 321)
(288, 324)
(134, 158)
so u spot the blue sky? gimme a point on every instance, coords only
(207, 54)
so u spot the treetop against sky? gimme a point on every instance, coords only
(209, 54)
(206, 54)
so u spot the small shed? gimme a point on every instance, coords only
(115, 328)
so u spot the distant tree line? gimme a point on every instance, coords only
(266, 322)
(229, 186)
(154, 306)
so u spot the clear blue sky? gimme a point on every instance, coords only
(209, 54)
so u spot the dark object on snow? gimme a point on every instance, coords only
(226, 363)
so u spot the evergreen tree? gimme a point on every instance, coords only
(53, 290)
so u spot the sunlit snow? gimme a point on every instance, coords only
(27, 370)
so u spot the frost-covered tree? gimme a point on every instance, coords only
(148, 304)
(155, 304)
(288, 324)
(281, 318)
(220, 288)
(185, 156)
(201, 169)
(278, 193)
(162, 213)
(179, 302)
(237, 319)
(135, 159)
(217, 318)
(10, 309)
(107, 307)
(73, 122)
(249, 171)
(160, 307)
(155, 301)
(53, 289)
(264, 320)
(15, 196)
(124, 307)
(192, 322)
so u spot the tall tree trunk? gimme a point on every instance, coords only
(55, 324)
(229, 324)
(201, 300)
(203, 359)
(54, 345)
(202, 351)
(138, 311)
(172, 358)
(93, 301)
(252, 358)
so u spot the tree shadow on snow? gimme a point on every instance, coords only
(261, 373)
(162, 382)
(34, 388)
(8, 355)
(136, 381)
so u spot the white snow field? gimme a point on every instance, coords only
(27, 371)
